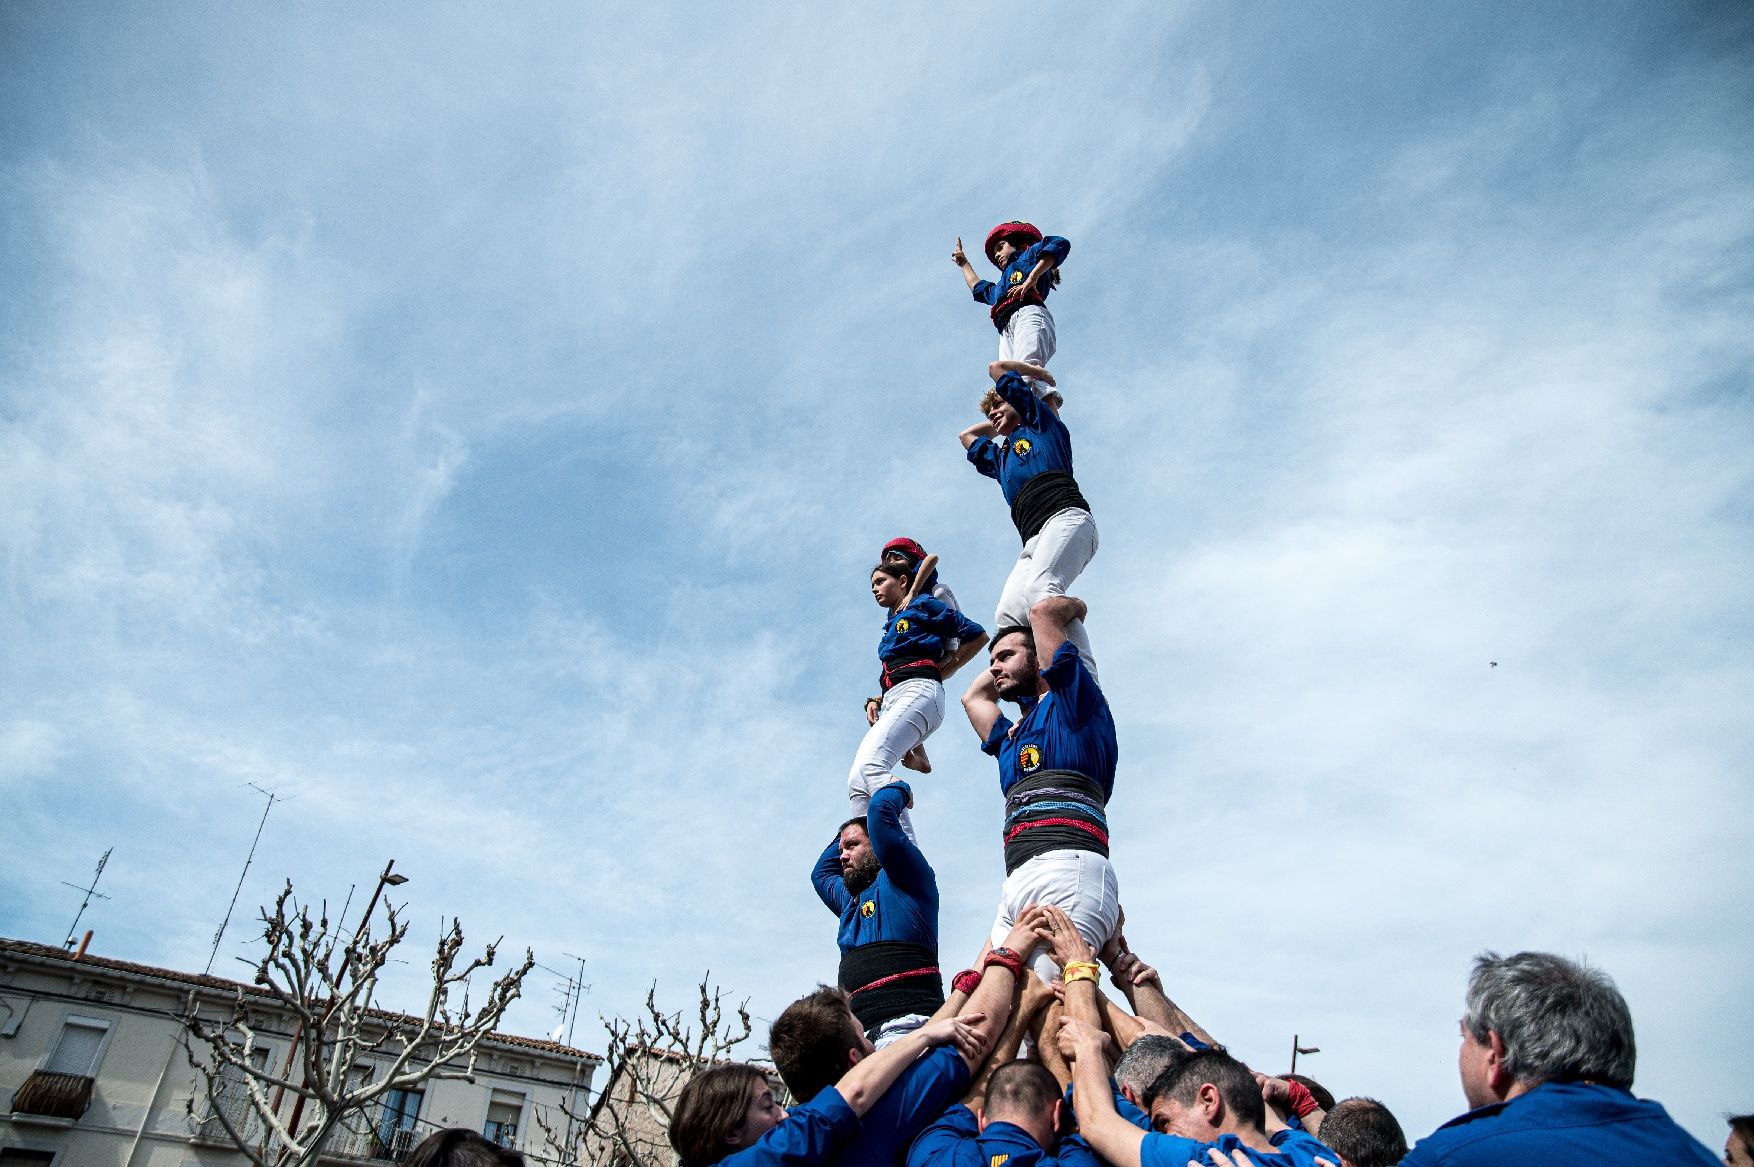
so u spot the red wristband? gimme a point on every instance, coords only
(965, 981)
(1302, 1101)
(1005, 958)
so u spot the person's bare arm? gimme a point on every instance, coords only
(975, 432)
(960, 259)
(1026, 1007)
(981, 703)
(964, 653)
(1112, 1137)
(861, 1086)
(992, 999)
(1043, 266)
(1049, 618)
(922, 573)
(1120, 1024)
(997, 369)
(1144, 990)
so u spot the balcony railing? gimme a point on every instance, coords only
(53, 1095)
(366, 1142)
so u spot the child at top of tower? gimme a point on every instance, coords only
(1029, 268)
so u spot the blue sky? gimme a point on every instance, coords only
(475, 423)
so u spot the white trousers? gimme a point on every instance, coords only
(1051, 559)
(911, 711)
(1029, 336)
(1080, 883)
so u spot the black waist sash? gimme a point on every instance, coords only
(895, 674)
(1054, 810)
(891, 978)
(1043, 497)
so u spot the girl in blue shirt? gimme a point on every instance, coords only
(916, 658)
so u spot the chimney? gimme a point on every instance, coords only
(83, 942)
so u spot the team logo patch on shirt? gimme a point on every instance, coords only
(1021, 447)
(901, 626)
(1028, 758)
(997, 1161)
(868, 909)
(1016, 278)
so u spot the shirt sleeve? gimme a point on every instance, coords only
(1079, 694)
(1159, 1150)
(918, 1097)
(983, 291)
(996, 736)
(902, 860)
(965, 629)
(949, 1142)
(1054, 247)
(1073, 1151)
(826, 878)
(1017, 394)
(811, 1131)
(984, 456)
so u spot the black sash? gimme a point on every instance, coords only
(1054, 810)
(1043, 497)
(876, 976)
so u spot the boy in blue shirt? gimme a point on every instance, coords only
(1029, 268)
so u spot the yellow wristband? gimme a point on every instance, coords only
(1081, 970)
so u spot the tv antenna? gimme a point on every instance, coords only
(91, 893)
(248, 859)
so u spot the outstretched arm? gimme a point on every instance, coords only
(1113, 1138)
(866, 1082)
(997, 369)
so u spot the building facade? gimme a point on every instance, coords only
(93, 1073)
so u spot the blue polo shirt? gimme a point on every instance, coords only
(1562, 1124)
(956, 1140)
(906, 1108)
(902, 903)
(1040, 443)
(991, 292)
(1070, 728)
(1293, 1148)
(810, 1132)
(923, 631)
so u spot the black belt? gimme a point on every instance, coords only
(891, 978)
(1043, 497)
(1054, 810)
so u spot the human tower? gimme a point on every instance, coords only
(1056, 760)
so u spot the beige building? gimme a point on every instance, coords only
(93, 1074)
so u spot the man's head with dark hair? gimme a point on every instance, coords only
(1025, 1095)
(1012, 661)
(1206, 1094)
(722, 1110)
(1143, 1064)
(1739, 1147)
(461, 1147)
(815, 1041)
(1363, 1133)
(1323, 1096)
(1535, 1017)
(858, 861)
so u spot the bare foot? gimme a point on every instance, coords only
(916, 760)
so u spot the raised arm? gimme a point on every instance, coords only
(826, 877)
(1113, 1138)
(981, 703)
(965, 652)
(974, 433)
(960, 259)
(1049, 618)
(901, 857)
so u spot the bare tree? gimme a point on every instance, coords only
(648, 1061)
(325, 984)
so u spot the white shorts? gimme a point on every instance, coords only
(911, 711)
(1029, 336)
(1051, 559)
(897, 1028)
(1080, 883)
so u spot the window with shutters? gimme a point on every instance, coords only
(80, 1046)
(504, 1110)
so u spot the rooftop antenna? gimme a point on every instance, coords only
(91, 893)
(248, 859)
(579, 989)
